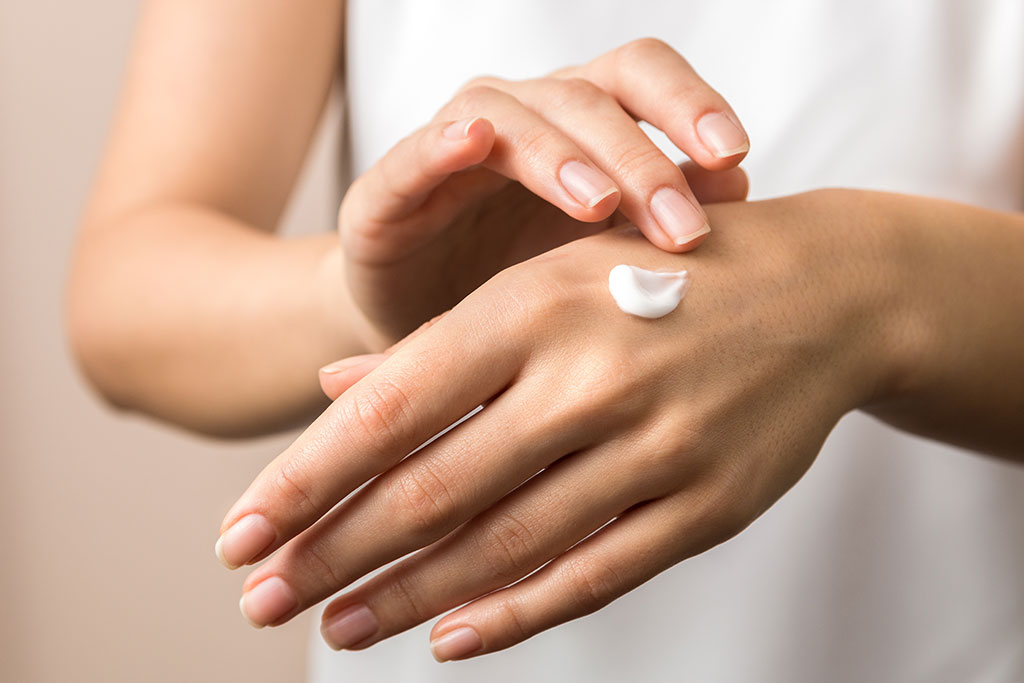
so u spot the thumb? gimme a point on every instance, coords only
(399, 200)
(337, 377)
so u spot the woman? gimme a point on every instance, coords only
(891, 561)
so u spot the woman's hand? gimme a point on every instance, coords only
(510, 169)
(679, 431)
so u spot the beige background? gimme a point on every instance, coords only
(107, 570)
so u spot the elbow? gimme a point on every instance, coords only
(109, 357)
(129, 370)
(101, 322)
(93, 341)
(128, 332)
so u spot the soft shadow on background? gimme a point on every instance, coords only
(107, 570)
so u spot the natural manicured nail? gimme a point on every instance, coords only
(721, 135)
(350, 626)
(459, 129)
(461, 642)
(587, 185)
(350, 362)
(244, 540)
(267, 601)
(678, 217)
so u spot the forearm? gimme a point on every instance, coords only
(191, 316)
(961, 377)
(182, 305)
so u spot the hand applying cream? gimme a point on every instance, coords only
(647, 293)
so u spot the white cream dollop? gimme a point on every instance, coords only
(647, 293)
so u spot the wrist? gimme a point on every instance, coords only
(959, 326)
(908, 258)
(868, 270)
(351, 332)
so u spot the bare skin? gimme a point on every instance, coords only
(440, 213)
(177, 267)
(184, 305)
(683, 429)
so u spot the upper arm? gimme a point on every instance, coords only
(220, 103)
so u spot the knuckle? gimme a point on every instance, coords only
(537, 143)
(423, 501)
(679, 431)
(667, 446)
(592, 583)
(699, 93)
(515, 620)
(599, 385)
(575, 93)
(536, 305)
(379, 407)
(344, 215)
(733, 503)
(522, 296)
(481, 81)
(713, 510)
(600, 371)
(716, 520)
(352, 211)
(632, 158)
(507, 546)
(319, 560)
(289, 483)
(475, 98)
(391, 172)
(402, 590)
(643, 48)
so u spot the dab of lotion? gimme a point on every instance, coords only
(647, 293)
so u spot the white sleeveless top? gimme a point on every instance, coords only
(894, 558)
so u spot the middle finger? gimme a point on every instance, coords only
(413, 504)
(543, 518)
(655, 194)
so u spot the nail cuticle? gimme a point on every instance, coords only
(269, 602)
(588, 186)
(459, 130)
(246, 539)
(458, 643)
(722, 135)
(354, 626)
(677, 216)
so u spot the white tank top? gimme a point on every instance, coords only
(894, 558)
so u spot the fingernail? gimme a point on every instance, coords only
(350, 362)
(678, 217)
(267, 601)
(461, 642)
(246, 538)
(350, 626)
(459, 129)
(587, 185)
(721, 135)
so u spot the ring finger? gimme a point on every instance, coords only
(411, 505)
(547, 515)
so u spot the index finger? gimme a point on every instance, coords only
(419, 391)
(655, 83)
